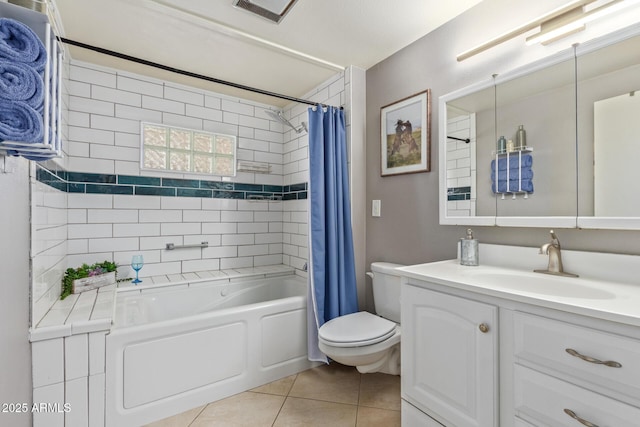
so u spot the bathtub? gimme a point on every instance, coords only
(182, 346)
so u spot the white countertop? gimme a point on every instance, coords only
(617, 301)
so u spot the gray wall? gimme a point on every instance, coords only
(408, 231)
(15, 351)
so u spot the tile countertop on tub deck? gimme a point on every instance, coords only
(92, 311)
(608, 287)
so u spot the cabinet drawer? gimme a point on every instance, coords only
(545, 399)
(544, 342)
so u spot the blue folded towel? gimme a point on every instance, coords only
(19, 43)
(514, 173)
(19, 122)
(514, 186)
(525, 161)
(20, 82)
(31, 156)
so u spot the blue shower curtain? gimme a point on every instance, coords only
(332, 277)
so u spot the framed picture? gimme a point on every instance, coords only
(405, 137)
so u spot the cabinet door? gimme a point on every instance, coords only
(412, 417)
(449, 357)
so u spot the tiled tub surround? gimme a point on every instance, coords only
(241, 231)
(68, 346)
(102, 136)
(116, 209)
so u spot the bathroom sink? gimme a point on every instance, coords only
(542, 284)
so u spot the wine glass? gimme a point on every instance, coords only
(136, 263)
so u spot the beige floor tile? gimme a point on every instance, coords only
(280, 387)
(380, 391)
(332, 383)
(315, 413)
(323, 396)
(374, 417)
(180, 420)
(242, 410)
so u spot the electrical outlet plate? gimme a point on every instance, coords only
(375, 208)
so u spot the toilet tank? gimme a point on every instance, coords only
(386, 290)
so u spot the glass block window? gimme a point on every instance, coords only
(170, 148)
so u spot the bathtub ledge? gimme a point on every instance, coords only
(207, 277)
(89, 311)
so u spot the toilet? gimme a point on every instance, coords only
(370, 342)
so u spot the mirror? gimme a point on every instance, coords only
(608, 134)
(616, 123)
(543, 103)
(580, 111)
(470, 122)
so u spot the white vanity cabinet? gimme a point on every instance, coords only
(491, 346)
(449, 359)
(566, 374)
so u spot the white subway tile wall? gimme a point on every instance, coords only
(105, 107)
(461, 172)
(295, 164)
(49, 247)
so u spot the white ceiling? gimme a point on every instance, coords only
(213, 38)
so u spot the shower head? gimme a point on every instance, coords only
(277, 115)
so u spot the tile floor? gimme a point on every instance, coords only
(331, 395)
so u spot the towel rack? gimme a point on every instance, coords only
(465, 140)
(51, 145)
(171, 246)
(256, 167)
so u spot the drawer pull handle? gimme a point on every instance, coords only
(609, 363)
(484, 328)
(577, 418)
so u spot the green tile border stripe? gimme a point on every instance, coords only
(458, 193)
(94, 183)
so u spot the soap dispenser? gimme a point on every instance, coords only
(469, 249)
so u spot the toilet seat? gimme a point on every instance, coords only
(356, 329)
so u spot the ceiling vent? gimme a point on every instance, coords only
(273, 10)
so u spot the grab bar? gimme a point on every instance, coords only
(171, 246)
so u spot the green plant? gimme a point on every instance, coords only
(85, 271)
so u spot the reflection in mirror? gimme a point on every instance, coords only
(468, 117)
(616, 154)
(609, 130)
(461, 162)
(542, 174)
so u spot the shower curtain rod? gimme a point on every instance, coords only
(188, 73)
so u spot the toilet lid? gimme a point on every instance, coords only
(356, 329)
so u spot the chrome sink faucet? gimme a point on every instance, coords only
(555, 258)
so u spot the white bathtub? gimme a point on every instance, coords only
(180, 347)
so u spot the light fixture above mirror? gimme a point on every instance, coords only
(559, 23)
